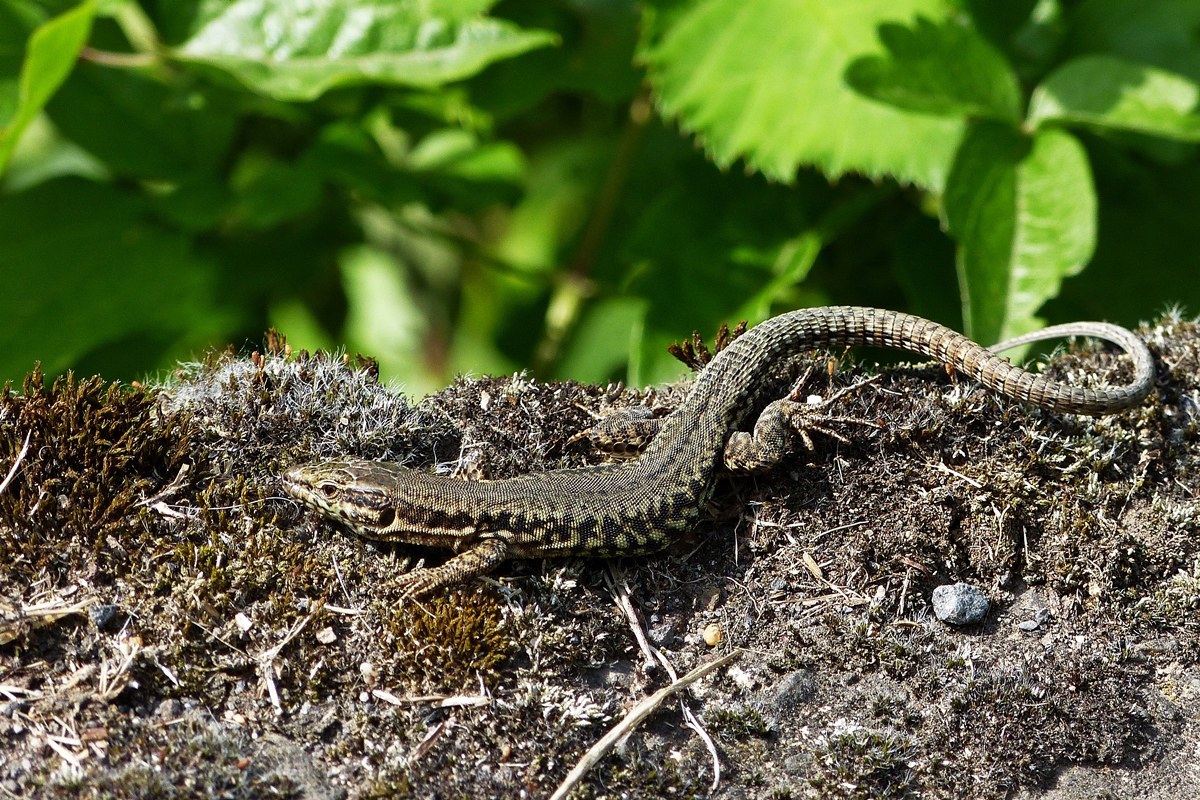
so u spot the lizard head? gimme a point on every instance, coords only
(353, 492)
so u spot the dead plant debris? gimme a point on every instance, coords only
(172, 626)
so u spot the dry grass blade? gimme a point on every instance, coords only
(16, 463)
(631, 720)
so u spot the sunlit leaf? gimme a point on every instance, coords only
(1024, 216)
(763, 81)
(1113, 93)
(297, 50)
(49, 56)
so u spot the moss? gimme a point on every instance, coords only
(449, 642)
(397, 786)
(738, 721)
(192, 759)
(865, 764)
(96, 450)
(1018, 726)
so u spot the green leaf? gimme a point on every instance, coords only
(945, 69)
(194, 205)
(1024, 216)
(1147, 256)
(140, 128)
(383, 318)
(792, 265)
(346, 155)
(43, 154)
(603, 340)
(49, 56)
(763, 81)
(1113, 93)
(297, 50)
(94, 269)
(17, 21)
(1161, 33)
(270, 191)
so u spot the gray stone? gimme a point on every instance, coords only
(104, 616)
(1039, 617)
(169, 709)
(959, 604)
(790, 693)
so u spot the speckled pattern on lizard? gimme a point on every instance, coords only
(642, 505)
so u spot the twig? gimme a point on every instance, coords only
(423, 747)
(266, 661)
(117, 59)
(54, 610)
(349, 612)
(109, 685)
(620, 590)
(16, 464)
(338, 571)
(170, 490)
(942, 467)
(11, 691)
(63, 752)
(631, 720)
(690, 720)
(437, 700)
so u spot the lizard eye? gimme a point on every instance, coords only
(329, 489)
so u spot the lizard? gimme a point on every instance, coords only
(641, 506)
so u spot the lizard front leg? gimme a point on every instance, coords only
(624, 433)
(482, 557)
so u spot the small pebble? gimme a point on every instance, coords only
(712, 635)
(95, 734)
(326, 636)
(663, 634)
(1039, 617)
(169, 709)
(367, 669)
(103, 616)
(959, 604)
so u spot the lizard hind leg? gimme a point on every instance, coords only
(762, 450)
(484, 556)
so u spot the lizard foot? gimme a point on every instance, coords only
(482, 557)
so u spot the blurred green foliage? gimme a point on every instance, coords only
(568, 185)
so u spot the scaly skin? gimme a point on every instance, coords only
(642, 505)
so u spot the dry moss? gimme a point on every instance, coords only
(230, 598)
(452, 641)
(95, 451)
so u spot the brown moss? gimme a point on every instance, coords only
(1097, 518)
(447, 643)
(95, 451)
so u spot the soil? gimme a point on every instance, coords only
(172, 626)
